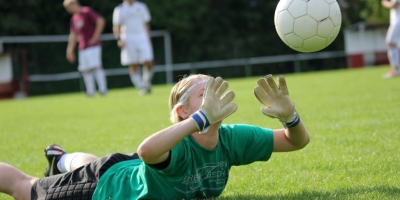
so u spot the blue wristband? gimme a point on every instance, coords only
(293, 123)
(201, 120)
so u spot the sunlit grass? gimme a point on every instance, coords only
(353, 117)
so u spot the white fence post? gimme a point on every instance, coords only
(1, 46)
(168, 58)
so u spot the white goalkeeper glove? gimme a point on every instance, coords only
(276, 100)
(216, 105)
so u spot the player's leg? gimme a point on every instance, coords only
(129, 58)
(146, 57)
(134, 73)
(15, 183)
(101, 80)
(393, 50)
(147, 76)
(78, 161)
(60, 161)
(89, 82)
(95, 62)
(86, 71)
(80, 183)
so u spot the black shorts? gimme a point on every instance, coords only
(79, 184)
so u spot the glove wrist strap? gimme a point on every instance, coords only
(201, 121)
(293, 122)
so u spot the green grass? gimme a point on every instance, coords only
(353, 117)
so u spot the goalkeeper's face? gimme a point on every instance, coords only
(186, 97)
(195, 99)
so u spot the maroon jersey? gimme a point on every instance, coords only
(84, 24)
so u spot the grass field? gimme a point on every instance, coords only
(353, 117)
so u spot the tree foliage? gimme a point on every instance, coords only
(367, 10)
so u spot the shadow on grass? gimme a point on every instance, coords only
(378, 192)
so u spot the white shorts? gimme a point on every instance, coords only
(393, 34)
(89, 58)
(136, 51)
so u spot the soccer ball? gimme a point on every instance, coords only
(307, 25)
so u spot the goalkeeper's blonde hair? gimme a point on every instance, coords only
(178, 90)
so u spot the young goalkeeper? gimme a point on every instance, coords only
(189, 159)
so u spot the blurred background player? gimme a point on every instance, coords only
(131, 21)
(393, 36)
(87, 26)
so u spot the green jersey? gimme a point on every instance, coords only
(193, 172)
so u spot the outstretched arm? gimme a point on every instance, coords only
(291, 139)
(278, 105)
(155, 149)
(215, 107)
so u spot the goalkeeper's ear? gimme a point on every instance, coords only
(182, 112)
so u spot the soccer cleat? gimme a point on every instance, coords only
(391, 74)
(53, 154)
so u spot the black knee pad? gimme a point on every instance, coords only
(76, 191)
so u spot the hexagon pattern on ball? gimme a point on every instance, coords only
(308, 25)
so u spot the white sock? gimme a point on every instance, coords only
(147, 77)
(136, 80)
(393, 54)
(64, 164)
(101, 80)
(89, 83)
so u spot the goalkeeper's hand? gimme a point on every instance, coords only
(216, 105)
(276, 99)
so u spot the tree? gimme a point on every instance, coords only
(366, 11)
